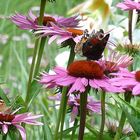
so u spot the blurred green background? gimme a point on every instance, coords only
(16, 49)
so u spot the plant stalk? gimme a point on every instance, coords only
(40, 53)
(63, 116)
(83, 112)
(4, 137)
(72, 56)
(62, 105)
(103, 115)
(35, 53)
(130, 26)
(74, 129)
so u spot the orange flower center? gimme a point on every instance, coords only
(75, 32)
(47, 20)
(6, 117)
(87, 69)
(137, 76)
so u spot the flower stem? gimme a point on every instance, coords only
(83, 112)
(62, 105)
(122, 119)
(63, 116)
(35, 53)
(42, 9)
(71, 59)
(103, 115)
(4, 137)
(43, 40)
(74, 129)
(40, 53)
(130, 25)
(32, 70)
(72, 55)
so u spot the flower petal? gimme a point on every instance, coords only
(74, 113)
(5, 128)
(136, 90)
(22, 131)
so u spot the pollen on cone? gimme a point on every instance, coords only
(137, 76)
(47, 19)
(6, 117)
(87, 69)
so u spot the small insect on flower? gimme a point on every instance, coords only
(92, 45)
(3, 107)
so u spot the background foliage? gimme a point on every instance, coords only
(15, 59)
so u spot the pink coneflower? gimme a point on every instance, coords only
(129, 5)
(127, 80)
(61, 34)
(74, 104)
(115, 61)
(8, 120)
(78, 76)
(30, 22)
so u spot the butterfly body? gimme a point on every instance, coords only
(93, 48)
(92, 45)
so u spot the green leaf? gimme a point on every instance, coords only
(132, 114)
(91, 129)
(4, 97)
(47, 130)
(12, 134)
(19, 102)
(134, 120)
(67, 131)
(35, 89)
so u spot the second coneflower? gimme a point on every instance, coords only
(74, 104)
(130, 81)
(115, 61)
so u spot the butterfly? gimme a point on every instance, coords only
(4, 108)
(92, 45)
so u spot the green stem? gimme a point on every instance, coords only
(42, 9)
(42, 42)
(4, 137)
(122, 119)
(40, 53)
(62, 110)
(74, 129)
(71, 59)
(63, 116)
(62, 105)
(103, 116)
(120, 128)
(83, 112)
(32, 69)
(72, 55)
(130, 25)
